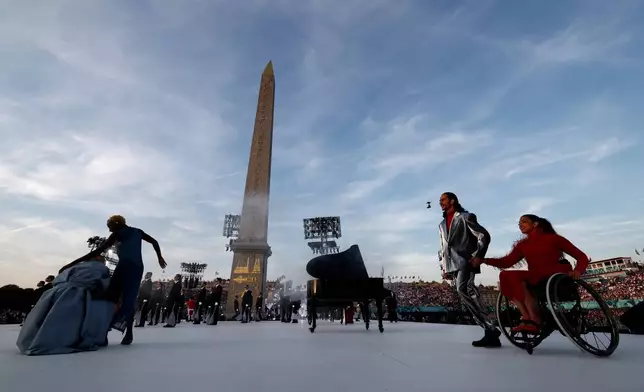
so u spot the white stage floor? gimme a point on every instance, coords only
(287, 357)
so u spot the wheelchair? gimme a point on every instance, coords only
(560, 303)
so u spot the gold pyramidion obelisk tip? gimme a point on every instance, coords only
(269, 69)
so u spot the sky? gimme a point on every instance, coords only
(146, 109)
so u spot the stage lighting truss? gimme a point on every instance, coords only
(231, 225)
(324, 248)
(192, 273)
(231, 229)
(324, 229)
(193, 268)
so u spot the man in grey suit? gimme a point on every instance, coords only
(463, 239)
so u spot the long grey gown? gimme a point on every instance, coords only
(72, 316)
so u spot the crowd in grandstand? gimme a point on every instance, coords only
(424, 294)
(630, 286)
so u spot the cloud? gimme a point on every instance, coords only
(536, 205)
(610, 147)
(147, 110)
(575, 44)
(550, 148)
(77, 166)
(33, 247)
(408, 146)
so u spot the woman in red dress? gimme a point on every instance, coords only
(543, 250)
(190, 304)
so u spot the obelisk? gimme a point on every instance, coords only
(251, 250)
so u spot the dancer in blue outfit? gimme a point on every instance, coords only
(129, 271)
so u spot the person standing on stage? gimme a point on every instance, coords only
(190, 304)
(463, 240)
(216, 293)
(174, 302)
(247, 304)
(145, 297)
(392, 305)
(129, 271)
(236, 306)
(201, 302)
(258, 307)
(158, 299)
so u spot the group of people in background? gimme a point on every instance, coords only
(155, 305)
(157, 302)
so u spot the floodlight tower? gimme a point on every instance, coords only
(325, 230)
(231, 229)
(192, 273)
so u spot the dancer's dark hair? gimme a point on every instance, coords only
(542, 223)
(457, 205)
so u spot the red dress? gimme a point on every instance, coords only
(542, 252)
(348, 315)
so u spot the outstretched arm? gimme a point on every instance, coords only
(96, 252)
(570, 249)
(508, 261)
(155, 244)
(482, 235)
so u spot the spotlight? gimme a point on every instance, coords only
(192, 274)
(322, 229)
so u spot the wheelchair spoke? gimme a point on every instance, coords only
(598, 342)
(587, 328)
(507, 318)
(578, 309)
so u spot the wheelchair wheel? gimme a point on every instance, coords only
(576, 308)
(508, 317)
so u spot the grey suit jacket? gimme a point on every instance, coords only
(466, 239)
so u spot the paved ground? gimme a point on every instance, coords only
(287, 357)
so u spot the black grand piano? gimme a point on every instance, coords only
(341, 280)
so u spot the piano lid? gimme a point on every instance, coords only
(344, 265)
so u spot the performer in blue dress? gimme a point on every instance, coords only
(129, 271)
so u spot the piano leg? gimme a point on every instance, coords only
(379, 314)
(365, 313)
(313, 313)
